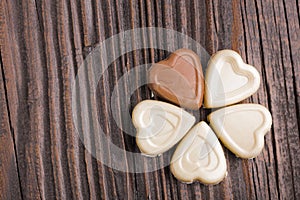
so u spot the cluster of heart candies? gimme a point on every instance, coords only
(199, 155)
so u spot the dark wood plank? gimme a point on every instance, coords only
(43, 45)
(16, 81)
(270, 47)
(9, 178)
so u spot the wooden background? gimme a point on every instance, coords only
(44, 42)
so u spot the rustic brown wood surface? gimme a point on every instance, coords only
(43, 43)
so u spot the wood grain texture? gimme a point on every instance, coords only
(9, 179)
(43, 44)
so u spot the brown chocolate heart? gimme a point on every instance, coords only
(179, 79)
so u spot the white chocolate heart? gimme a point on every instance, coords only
(199, 156)
(242, 128)
(229, 80)
(159, 126)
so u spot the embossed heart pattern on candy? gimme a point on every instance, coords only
(199, 155)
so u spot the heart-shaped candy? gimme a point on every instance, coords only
(159, 126)
(179, 79)
(199, 156)
(229, 80)
(242, 128)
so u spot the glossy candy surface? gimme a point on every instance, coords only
(242, 128)
(199, 157)
(159, 126)
(229, 80)
(179, 79)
